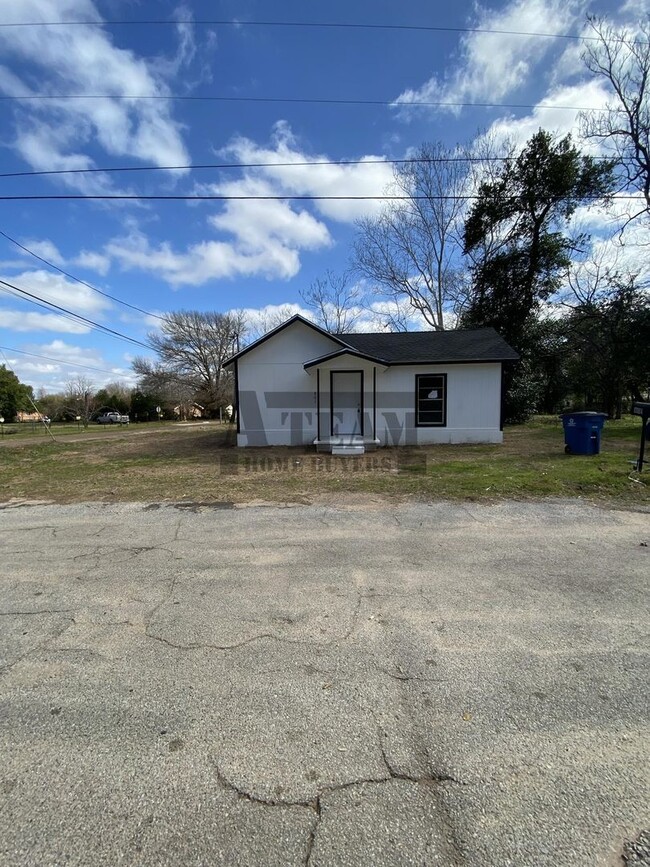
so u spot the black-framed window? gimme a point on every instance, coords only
(431, 399)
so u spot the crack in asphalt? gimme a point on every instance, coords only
(29, 529)
(404, 677)
(311, 840)
(353, 621)
(99, 532)
(258, 637)
(226, 647)
(101, 551)
(42, 646)
(40, 611)
(315, 804)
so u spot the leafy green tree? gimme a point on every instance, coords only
(113, 398)
(609, 339)
(14, 395)
(550, 376)
(517, 236)
(143, 406)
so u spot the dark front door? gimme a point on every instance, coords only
(347, 402)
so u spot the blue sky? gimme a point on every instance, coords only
(163, 256)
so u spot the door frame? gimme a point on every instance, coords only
(362, 408)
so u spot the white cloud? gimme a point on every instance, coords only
(258, 237)
(258, 225)
(93, 261)
(19, 320)
(52, 134)
(259, 320)
(11, 264)
(626, 254)
(67, 352)
(636, 9)
(60, 290)
(369, 178)
(268, 236)
(53, 374)
(375, 317)
(494, 65)
(46, 249)
(589, 95)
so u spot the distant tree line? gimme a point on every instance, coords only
(81, 400)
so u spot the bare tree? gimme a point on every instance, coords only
(391, 314)
(589, 277)
(622, 58)
(192, 347)
(119, 389)
(266, 320)
(336, 302)
(413, 249)
(80, 398)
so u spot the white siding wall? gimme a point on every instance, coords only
(473, 405)
(277, 397)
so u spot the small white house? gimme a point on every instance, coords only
(300, 385)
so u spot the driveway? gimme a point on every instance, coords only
(434, 684)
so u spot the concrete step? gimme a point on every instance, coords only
(348, 450)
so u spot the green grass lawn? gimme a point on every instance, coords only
(37, 430)
(171, 462)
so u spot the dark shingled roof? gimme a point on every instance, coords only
(480, 344)
(407, 347)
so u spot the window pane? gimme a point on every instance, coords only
(430, 417)
(430, 399)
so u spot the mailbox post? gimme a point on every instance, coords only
(642, 409)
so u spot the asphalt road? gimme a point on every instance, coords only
(402, 685)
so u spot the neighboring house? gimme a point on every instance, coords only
(29, 416)
(300, 385)
(189, 410)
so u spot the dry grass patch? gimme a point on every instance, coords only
(201, 464)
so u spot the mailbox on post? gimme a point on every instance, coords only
(642, 409)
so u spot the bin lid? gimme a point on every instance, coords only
(582, 414)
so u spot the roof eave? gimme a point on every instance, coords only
(323, 359)
(499, 360)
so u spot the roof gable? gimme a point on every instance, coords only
(270, 334)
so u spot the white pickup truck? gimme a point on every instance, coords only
(112, 418)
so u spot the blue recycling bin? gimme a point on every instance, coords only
(582, 432)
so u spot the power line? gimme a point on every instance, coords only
(58, 360)
(325, 25)
(44, 306)
(63, 312)
(78, 279)
(298, 100)
(263, 165)
(40, 302)
(209, 197)
(198, 166)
